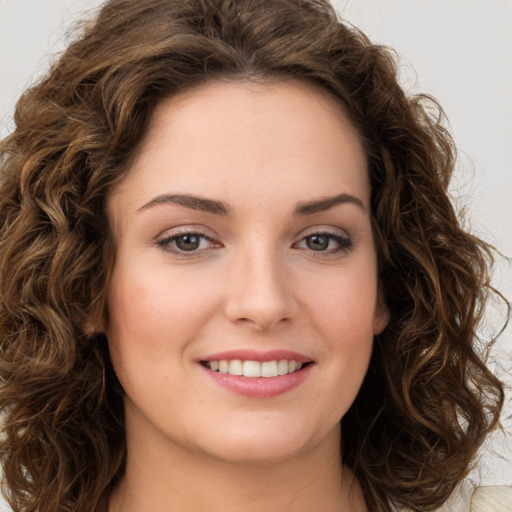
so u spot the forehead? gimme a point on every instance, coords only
(233, 138)
(250, 108)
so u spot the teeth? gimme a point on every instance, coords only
(235, 367)
(254, 368)
(223, 366)
(282, 367)
(293, 366)
(269, 369)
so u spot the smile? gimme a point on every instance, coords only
(253, 369)
(258, 374)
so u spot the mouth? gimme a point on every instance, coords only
(255, 369)
(256, 374)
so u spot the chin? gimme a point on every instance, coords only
(251, 452)
(264, 445)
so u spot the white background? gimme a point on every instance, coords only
(461, 51)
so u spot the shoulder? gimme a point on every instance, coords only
(494, 498)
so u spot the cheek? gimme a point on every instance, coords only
(151, 298)
(155, 312)
(344, 303)
(146, 332)
(342, 310)
(136, 327)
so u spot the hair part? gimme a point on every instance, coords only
(428, 400)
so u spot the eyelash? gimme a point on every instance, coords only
(344, 243)
(165, 243)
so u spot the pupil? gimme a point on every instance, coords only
(188, 242)
(317, 242)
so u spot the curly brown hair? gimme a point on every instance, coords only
(428, 400)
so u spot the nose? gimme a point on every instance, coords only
(260, 293)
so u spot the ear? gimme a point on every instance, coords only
(381, 315)
(90, 329)
(95, 322)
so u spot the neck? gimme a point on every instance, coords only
(163, 476)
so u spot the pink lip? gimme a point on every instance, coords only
(259, 387)
(254, 355)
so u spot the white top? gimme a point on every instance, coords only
(495, 498)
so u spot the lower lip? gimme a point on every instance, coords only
(260, 387)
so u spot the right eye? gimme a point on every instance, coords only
(186, 243)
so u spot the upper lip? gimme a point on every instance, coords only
(256, 355)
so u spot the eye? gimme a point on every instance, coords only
(183, 243)
(330, 243)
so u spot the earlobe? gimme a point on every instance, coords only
(92, 328)
(96, 317)
(381, 316)
(95, 324)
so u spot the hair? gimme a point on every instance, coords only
(428, 400)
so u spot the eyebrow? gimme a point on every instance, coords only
(190, 201)
(325, 203)
(220, 208)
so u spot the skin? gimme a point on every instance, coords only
(254, 282)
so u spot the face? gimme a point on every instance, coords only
(243, 301)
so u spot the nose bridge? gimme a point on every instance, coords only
(259, 293)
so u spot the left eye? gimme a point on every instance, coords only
(185, 242)
(325, 242)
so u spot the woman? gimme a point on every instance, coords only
(231, 277)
